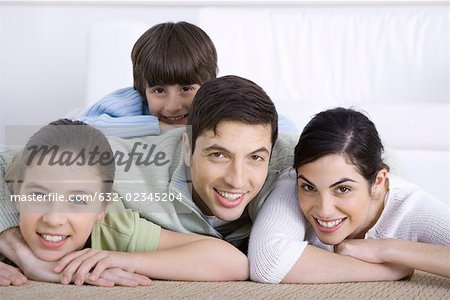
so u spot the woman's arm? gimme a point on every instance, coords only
(421, 230)
(421, 256)
(320, 266)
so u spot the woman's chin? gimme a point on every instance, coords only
(333, 241)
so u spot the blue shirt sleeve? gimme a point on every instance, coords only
(122, 114)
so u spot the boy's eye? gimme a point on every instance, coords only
(187, 88)
(307, 187)
(158, 90)
(342, 189)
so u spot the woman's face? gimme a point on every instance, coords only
(336, 199)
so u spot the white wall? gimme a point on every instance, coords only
(43, 53)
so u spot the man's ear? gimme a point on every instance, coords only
(186, 149)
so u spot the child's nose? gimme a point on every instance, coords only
(53, 217)
(173, 104)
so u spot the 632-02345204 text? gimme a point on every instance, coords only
(129, 197)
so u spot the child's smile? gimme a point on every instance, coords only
(53, 229)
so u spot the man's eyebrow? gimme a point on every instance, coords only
(342, 180)
(262, 149)
(216, 147)
(305, 179)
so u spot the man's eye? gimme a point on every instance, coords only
(257, 158)
(217, 154)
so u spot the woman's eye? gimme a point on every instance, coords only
(343, 189)
(307, 187)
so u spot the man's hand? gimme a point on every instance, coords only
(92, 266)
(10, 275)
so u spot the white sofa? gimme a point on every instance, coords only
(390, 60)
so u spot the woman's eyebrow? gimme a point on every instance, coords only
(342, 180)
(304, 178)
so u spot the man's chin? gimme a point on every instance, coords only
(228, 216)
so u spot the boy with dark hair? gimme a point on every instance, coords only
(170, 63)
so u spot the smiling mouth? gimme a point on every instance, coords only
(228, 199)
(174, 118)
(53, 238)
(329, 224)
(229, 196)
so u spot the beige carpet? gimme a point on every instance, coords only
(420, 286)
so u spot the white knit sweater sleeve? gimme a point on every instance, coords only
(277, 238)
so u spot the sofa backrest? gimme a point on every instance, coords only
(392, 61)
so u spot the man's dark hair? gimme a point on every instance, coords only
(231, 98)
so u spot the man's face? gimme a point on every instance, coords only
(229, 168)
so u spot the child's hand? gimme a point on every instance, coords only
(96, 266)
(117, 276)
(10, 275)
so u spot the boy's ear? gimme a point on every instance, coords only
(186, 149)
